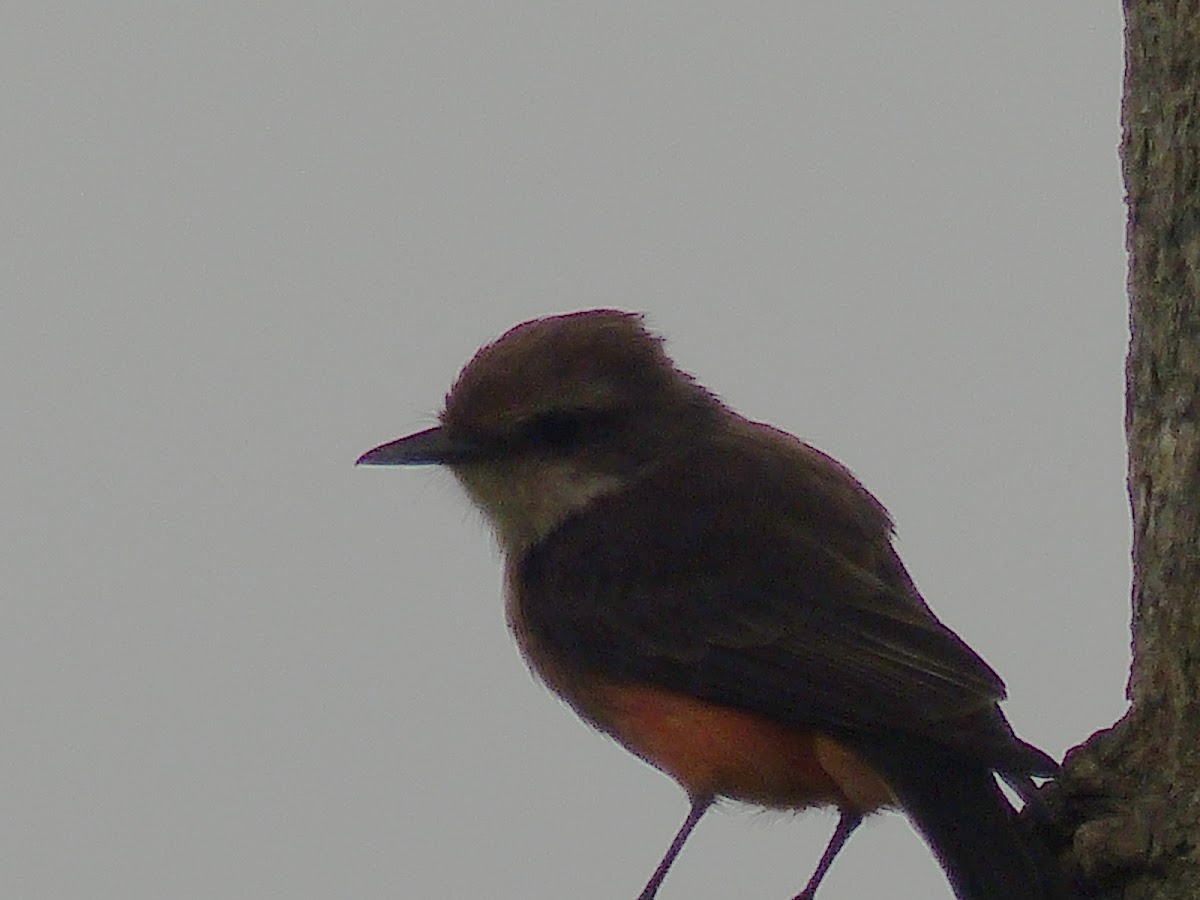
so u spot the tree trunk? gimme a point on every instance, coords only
(1127, 809)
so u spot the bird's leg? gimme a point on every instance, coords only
(700, 806)
(845, 827)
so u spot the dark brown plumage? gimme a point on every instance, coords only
(725, 600)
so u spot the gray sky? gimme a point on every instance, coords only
(242, 244)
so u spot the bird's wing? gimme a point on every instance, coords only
(775, 595)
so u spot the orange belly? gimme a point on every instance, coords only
(716, 750)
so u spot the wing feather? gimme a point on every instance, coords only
(772, 588)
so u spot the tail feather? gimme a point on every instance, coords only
(971, 828)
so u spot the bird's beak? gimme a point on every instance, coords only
(425, 448)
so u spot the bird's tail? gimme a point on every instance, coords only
(972, 829)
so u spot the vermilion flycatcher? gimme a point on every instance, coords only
(725, 600)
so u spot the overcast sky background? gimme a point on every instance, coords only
(244, 243)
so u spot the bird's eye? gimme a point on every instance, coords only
(557, 430)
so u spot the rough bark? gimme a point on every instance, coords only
(1127, 809)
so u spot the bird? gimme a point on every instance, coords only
(725, 601)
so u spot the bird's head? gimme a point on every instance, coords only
(553, 415)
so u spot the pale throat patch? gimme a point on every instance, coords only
(526, 500)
